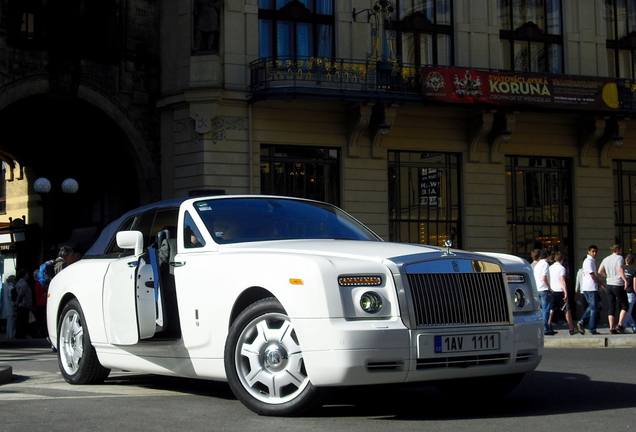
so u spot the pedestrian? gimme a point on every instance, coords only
(535, 256)
(630, 275)
(8, 307)
(590, 287)
(542, 279)
(23, 303)
(40, 306)
(560, 291)
(616, 285)
(65, 257)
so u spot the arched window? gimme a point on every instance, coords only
(620, 16)
(296, 29)
(531, 35)
(425, 29)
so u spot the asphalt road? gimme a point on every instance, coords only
(573, 390)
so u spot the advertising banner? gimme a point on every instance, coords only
(463, 85)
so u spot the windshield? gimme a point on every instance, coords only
(236, 220)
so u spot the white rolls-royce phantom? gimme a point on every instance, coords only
(287, 298)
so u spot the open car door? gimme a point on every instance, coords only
(131, 293)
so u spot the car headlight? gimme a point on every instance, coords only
(370, 302)
(520, 298)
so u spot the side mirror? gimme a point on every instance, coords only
(131, 240)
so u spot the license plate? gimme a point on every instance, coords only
(467, 343)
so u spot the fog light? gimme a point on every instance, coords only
(370, 302)
(520, 298)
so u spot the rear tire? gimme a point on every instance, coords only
(264, 363)
(76, 355)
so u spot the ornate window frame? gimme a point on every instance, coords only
(521, 36)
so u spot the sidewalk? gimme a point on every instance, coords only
(604, 340)
(6, 371)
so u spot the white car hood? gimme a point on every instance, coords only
(365, 250)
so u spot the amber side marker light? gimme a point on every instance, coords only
(296, 282)
(516, 278)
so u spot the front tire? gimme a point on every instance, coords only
(264, 362)
(76, 355)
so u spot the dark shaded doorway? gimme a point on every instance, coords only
(60, 138)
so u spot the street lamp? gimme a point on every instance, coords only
(43, 186)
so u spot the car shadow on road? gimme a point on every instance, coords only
(539, 394)
(191, 386)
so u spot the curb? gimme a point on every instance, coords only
(6, 374)
(614, 341)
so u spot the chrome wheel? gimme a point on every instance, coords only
(269, 361)
(264, 363)
(71, 345)
(76, 355)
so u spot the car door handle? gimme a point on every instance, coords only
(177, 263)
(133, 264)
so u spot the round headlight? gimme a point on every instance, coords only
(520, 298)
(370, 302)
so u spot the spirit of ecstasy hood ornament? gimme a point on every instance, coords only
(448, 244)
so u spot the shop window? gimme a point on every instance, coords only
(302, 172)
(425, 29)
(620, 17)
(625, 204)
(531, 35)
(296, 29)
(539, 204)
(424, 198)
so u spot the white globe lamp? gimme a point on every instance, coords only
(42, 185)
(70, 186)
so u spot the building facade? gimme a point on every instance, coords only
(502, 125)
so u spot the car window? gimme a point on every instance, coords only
(165, 220)
(192, 237)
(113, 249)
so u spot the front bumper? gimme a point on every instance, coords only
(385, 352)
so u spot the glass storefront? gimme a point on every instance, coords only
(539, 203)
(625, 204)
(302, 172)
(424, 198)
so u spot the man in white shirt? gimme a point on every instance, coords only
(542, 279)
(589, 288)
(560, 291)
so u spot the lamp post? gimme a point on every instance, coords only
(382, 11)
(43, 187)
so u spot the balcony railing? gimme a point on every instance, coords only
(335, 78)
(375, 80)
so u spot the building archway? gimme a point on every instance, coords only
(59, 138)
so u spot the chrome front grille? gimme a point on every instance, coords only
(446, 299)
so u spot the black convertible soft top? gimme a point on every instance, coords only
(102, 242)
